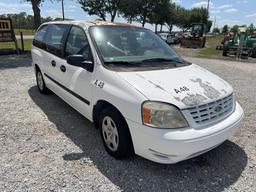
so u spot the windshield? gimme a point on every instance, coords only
(130, 44)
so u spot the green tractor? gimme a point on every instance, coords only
(240, 44)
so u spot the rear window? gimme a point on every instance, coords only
(39, 39)
(40, 34)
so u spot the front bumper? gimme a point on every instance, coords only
(174, 145)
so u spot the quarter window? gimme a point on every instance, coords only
(77, 43)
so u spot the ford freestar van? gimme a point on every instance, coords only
(142, 95)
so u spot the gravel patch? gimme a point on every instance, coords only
(48, 146)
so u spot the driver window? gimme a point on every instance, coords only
(77, 43)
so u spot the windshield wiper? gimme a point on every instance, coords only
(160, 59)
(123, 63)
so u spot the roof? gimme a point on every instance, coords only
(90, 23)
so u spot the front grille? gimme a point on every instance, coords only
(214, 111)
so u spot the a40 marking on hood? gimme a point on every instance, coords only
(181, 89)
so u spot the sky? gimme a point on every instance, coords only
(229, 12)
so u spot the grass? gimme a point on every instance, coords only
(210, 49)
(24, 31)
(11, 45)
(209, 52)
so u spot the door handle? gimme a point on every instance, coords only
(53, 63)
(63, 68)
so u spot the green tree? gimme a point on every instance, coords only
(36, 10)
(250, 29)
(128, 10)
(145, 10)
(100, 8)
(234, 29)
(200, 15)
(171, 18)
(142, 11)
(225, 30)
(186, 17)
(216, 30)
(182, 18)
(37, 13)
(160, 13)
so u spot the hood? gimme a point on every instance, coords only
(184, 86)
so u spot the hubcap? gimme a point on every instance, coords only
(40, 81)
(110, 133)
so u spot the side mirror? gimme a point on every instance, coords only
(78, 61)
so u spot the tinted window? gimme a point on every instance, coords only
(39, 39)
(40, 34)
(55, 38)
(77, 43)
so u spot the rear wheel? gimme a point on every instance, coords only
(225, 52)
(40, 82)
(253, 54)
(204, 42)
(115, 134)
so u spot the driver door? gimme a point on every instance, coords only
(77, 80)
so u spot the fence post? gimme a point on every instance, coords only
(22, 42)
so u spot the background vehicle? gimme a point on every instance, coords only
(197, 38)
(173, 38)
(167, 37)
(240, 44)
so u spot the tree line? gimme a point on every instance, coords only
(160, 13)
(250, 29)
(24, 21)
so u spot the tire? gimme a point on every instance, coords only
(204, 42)
(253, 54)
(40, 82)
(225, 52)
(115, 134)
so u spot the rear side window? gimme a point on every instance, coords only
(40, 37)
(77, 43)
(55, 38)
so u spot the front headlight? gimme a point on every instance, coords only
(162, 115)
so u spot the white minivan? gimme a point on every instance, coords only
(139, 92)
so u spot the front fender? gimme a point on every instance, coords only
(117, 92)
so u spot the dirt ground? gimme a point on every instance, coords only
(48, 146)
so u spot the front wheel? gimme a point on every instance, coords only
(115, 134)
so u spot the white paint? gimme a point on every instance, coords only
(128, 90)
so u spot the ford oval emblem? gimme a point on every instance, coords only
(218, 109)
